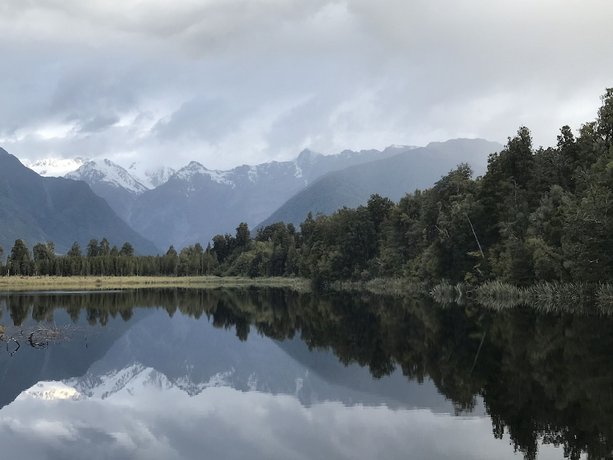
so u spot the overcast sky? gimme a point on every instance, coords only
(228, 82)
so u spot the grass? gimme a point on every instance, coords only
(383, 286)
(92, 283)
(545, 297)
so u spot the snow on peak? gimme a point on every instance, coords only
(132, 379)
(54, 167)
(196, 169)
(49, 391)
(252, 173)
(151, 177)
(126, 380)
(106, 171)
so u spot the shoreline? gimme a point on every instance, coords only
(96, 283)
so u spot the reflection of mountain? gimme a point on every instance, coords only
(394, 389)
(59, 361)
(192, 355)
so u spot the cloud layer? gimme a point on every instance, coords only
(227, 82)
(225, 423)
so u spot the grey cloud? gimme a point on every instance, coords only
(231, 82)
(207, 119)
(98, 123)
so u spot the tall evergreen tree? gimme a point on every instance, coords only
(19, 262)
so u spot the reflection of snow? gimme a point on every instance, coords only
(252, 382)
(134, 378)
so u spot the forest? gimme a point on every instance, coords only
(537, 214)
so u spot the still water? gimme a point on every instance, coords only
(272, 374)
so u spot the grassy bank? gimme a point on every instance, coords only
(53, 283)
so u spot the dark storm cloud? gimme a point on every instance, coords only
(237, 81)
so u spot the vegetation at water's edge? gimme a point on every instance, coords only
(544, 296)
(537, 214)
(45, 283)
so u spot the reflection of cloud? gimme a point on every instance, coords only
(221, 422)
(247, 81)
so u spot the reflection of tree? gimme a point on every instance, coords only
(541, 377)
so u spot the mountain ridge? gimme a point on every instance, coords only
(390, 177)
(40, 209)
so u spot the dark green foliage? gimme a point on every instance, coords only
(20, 261)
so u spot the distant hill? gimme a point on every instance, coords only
(39, 209)
(391, 177)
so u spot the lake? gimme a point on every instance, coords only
(274, 374)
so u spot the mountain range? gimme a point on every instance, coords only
(195, 203)
(129, 357)
(39, 209)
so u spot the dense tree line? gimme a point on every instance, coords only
(536, 214)
(102, 259)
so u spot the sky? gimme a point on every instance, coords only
(230, 82)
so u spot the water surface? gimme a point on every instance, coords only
(272, 374)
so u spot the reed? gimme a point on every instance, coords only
(545, 297)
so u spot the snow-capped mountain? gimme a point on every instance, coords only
(107, 172)
(40, 209)
(54, 167)
(150, 177)
(49, 391)
(197, 203)
(111, 182)
(194, 169)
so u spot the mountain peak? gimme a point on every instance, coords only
(151, 177)
(189, 171)
(55, 167)
(307, 156)
(194, 169)
(105, 171)
(399, 147)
